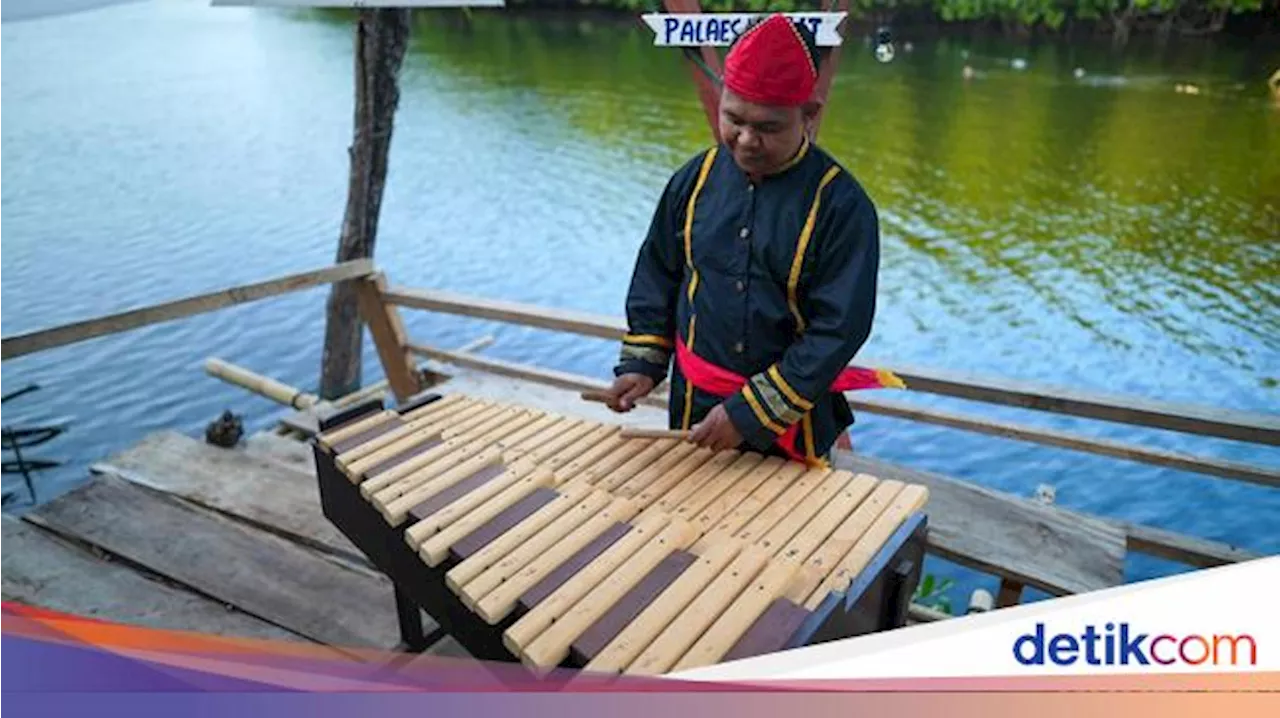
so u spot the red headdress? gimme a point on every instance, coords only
(771, 64)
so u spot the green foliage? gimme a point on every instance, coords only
(1028, 14)
(932, 593)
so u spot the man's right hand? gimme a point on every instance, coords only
(626, 389)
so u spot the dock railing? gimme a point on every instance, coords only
(379, 305)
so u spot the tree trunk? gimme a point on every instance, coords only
(1165, 29)
(382, 36)
(1120, 35)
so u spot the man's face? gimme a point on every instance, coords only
(761, 137)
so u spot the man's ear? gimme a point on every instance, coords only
(809, 115)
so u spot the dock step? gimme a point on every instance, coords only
(278, 581)
(254, 483)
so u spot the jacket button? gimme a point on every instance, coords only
(744, 232)
(739, 347)
(742, 286)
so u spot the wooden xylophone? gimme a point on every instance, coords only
(559, 541)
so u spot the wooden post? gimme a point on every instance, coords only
(709, 90)
(388, 336)
(382, 36)
(827, 70)
(1010, 593)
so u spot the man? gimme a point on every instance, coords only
(758, 273)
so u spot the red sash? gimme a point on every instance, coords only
(723, 383)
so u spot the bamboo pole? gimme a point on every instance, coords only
(262, 385)
(282, 393)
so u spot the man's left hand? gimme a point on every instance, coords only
(717, 431)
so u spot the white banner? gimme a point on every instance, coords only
(1215, 620)
(696, 29)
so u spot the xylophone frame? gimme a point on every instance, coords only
(877, 599)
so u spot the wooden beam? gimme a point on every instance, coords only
(1190, 550)
(550, 377)
(1204, 421)
(388, 336)
(41, 340)
(830, 63)
(1010, 593)
(593, 325)
(1261, 475)
(1225, 423)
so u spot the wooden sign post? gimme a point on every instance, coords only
(684, 25)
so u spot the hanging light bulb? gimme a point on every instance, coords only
(884, 45)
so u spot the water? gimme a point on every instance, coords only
(1104, 232)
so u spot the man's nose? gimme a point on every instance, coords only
(748, 138)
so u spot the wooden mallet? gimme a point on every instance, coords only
(629, 432)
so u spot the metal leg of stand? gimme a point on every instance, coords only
(411, 634)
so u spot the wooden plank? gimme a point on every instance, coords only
(1231, 424)
(41, 340)
(1189, 550)
(41, 569)
(295, 455)
(594, 325)
(269, 577)
(389, 337)
(1056, 551)
(257, 490)
(1201, 420)
(1050, 437)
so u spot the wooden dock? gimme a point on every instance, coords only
(176, 533)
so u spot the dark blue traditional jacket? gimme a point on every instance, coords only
(774, 281)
